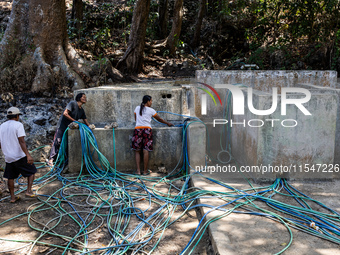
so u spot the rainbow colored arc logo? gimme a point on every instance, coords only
(209, 93)
(204, 97)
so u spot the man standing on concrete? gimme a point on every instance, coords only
(73, 112)
(18, 160)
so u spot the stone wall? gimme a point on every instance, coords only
(312, 141)
(167, 148)
(108, 104)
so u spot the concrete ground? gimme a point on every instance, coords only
(248, 234)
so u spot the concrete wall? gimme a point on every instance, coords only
(264, 80)
(336, 92)
(108, 104)
(196, 145)
(260, 80)
(167, 148)
(312, 141)
(117, 103)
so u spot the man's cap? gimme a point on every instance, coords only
(13, 111)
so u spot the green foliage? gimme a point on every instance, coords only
(131, 2)
(291, 31)
(103, 28)
(288, 21)
(152, 26)
(102, 36)
(151, 29)
(336, 55)
(280, 21)
(277, 34)
(257, 58)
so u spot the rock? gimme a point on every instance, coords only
(73, 125)
(56, 70)
(47, 94)
(111, 125)
(51, 131)
(162, 170)
(119, 53)
(7, 97)
(27, 126)
(53, 120)
(40, 121)
(185, 64)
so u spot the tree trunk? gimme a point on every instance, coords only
(132, 61)
(77, 12)
(163, 18)
(37, 31)
(173, 37)
(197, 35)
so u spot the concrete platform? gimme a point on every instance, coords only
(248, 234)
(261, 139)
(167, 147)
(117, 103)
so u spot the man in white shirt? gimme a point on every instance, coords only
(17, 158)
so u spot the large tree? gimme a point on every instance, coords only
(176, 28)
(197, 34)
(132, 61)
(37, 30)
(77, 12)
(163, 12)
(172, 39)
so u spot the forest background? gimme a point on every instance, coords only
(52, 45)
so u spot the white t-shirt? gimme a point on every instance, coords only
(144, 121)
(9, 133)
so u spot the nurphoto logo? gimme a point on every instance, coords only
(238, 103)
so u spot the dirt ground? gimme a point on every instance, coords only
(245, 234)
(240, 233)
(31, 216)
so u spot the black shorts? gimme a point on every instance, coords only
(14, 169)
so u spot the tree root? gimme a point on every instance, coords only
(78, 63)
(92, 68)
(158, 44)
(44, 78)
(69, 73)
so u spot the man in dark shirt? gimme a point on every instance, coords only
(73, 112)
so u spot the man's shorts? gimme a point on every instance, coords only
(142, 139)
(14, 169)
